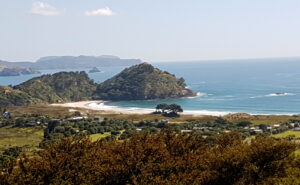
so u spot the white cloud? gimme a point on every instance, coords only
(44, 9)
(100, 12)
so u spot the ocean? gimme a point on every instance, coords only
(262, 86)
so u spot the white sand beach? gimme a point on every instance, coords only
(100, 106)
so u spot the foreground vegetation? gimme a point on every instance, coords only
(53, 145)
(163, 158)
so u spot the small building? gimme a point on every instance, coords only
(186, 131)
(163, 121)
(297, 129)
(226, 131)
(258, 130)
(77, 118)
(6, 114)
(277, 125)
(138, 129)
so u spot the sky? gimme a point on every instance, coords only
(152, 30)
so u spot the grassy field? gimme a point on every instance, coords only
(10, 137)
(288, 133)
(45, 110)
(261, 119)
(95, 137)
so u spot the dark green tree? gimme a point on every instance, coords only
(163, 107)
(175, 109)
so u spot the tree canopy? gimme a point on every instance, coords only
(168, 109)
(163, 158)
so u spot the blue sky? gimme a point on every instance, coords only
(153, 30)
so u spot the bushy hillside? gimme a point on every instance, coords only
(10, 97)
(141, 82)
(63, 86)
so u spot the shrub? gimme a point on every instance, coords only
(163, 158)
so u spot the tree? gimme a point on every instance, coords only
(77, 113)
(169, 110)
(174, 108)
(244, 123)
(163, 107)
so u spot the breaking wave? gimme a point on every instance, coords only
(280, 94)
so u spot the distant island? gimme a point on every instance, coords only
(16, 71)
(74, 62)
(94, 70)
(139, 82)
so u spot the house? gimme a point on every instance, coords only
(163, 121)
(138, 129)
(277, 125)
(258, 130)
(226, 131)
(6, 114)
(186, 131)
(77, 118)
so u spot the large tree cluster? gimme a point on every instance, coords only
(163, 158)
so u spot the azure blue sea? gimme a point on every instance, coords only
(256, 86)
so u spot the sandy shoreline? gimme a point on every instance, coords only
(100, 106)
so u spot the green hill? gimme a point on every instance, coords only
(10, 97)
(142, 82)
(139, 82)
(59, 87)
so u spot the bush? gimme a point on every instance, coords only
(164, 158)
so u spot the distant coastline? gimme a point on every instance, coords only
(100, 105)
